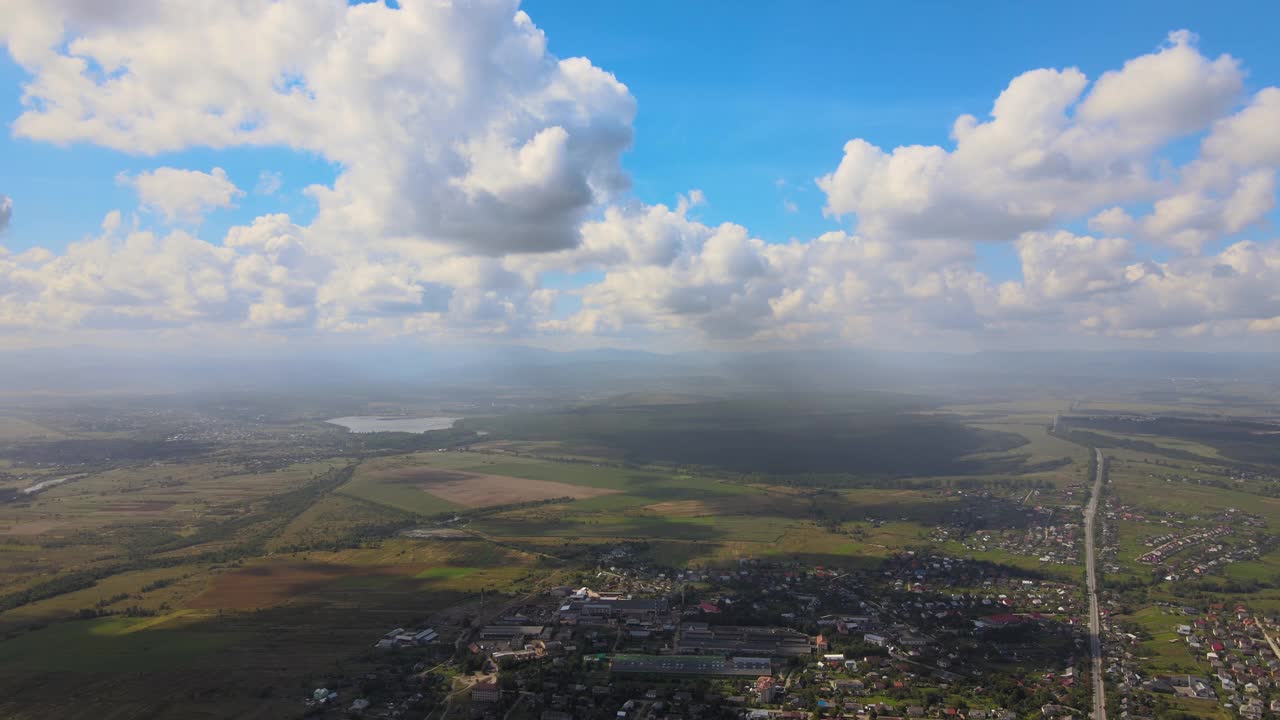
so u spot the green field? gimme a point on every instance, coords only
(1133, 483)
(446, 572)
(400, 497)
(115, 645)
(1166, 651)
(1265, 569)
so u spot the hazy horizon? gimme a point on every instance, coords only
(354, 368)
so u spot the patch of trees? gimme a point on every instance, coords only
(1249, 443)
(133, 611)
(1092, 439)
(352, 537)
(777, 434)
(1246, 441)
(158, 584)
(59, 585)
(111, 600)
(895, 449)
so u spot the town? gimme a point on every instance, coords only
(761, 640)
(934, 633)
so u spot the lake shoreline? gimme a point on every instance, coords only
(364, 424)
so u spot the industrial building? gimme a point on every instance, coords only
(703, 639)
(691, 665)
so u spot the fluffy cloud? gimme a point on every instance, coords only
(1230, 187)
(1155, 97)
(1115, 221)
(665, 273)
(1049, 152)
(1195, 215)
(1061, 265)
(266, 275)
(118, 280)
(1224, 294)
(1190, 219)
(718, 282)
(1248, 138)
(1100, 287)
(451, 122)
(6, 211)
(183, 195)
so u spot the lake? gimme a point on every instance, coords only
(377, 423)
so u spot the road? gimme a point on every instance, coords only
(1091, 573)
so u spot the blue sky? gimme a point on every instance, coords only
(747, 102)
(459, 196)
(734, 96)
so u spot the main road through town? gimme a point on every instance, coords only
(1091, 574)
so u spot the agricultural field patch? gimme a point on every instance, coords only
(405, 498)
(275, 583)
(336, 519)
(1139, 484)
(1165, 650)
(484, 490)
(446, 572)
(551, 450)
(432, 483)
(12, 428)
(640, 527)
(33, 527)
(400, 573)
(573, 473)
(113, 644)
(141, 506)
(158, 590)
(756, 504)
(1265, 569)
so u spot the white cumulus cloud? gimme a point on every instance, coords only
(1052, 149)
(451, 122)
(183, 195)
